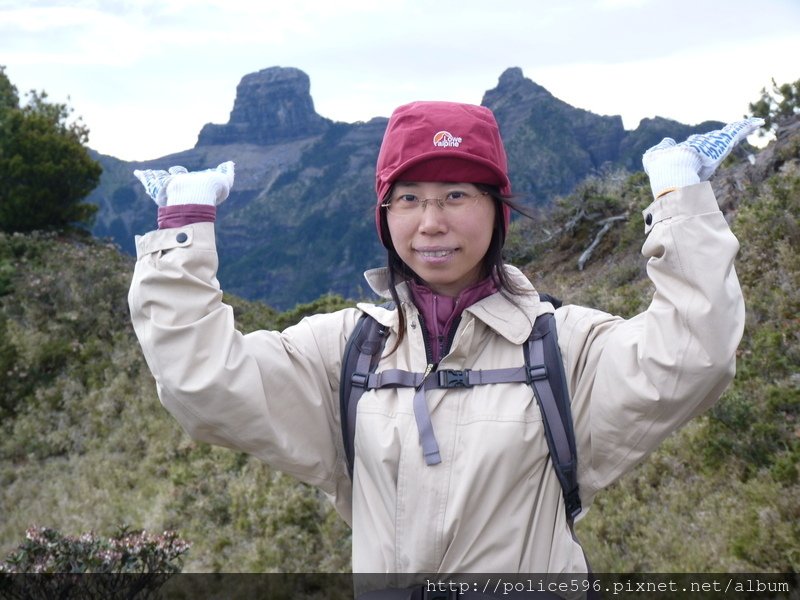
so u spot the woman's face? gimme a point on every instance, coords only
(444, 247)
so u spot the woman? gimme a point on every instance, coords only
(488, 500)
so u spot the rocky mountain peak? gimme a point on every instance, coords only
(512, 79)
(272, 106)
(511, 76)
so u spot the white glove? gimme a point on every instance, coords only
(179, 186)
(672, 165)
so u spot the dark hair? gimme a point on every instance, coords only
(492, 260)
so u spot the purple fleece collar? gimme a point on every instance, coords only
(440, 312)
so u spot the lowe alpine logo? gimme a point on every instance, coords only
(445, 139)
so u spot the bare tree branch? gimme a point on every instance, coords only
(607, 224)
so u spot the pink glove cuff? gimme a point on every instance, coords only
(180, 215)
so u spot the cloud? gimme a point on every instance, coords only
(70, 35)
(620, 4)
(681, 86)
(45, 19)
(688, 59)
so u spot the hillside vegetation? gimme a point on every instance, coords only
(85, 444)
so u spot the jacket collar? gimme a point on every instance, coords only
(511, 318)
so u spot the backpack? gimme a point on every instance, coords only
(543, 371)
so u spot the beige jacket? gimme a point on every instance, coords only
(493, 504)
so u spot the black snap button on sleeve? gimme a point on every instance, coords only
(182, 237)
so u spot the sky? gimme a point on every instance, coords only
(145, 75)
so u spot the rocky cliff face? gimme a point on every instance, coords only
(551, 145)
(299, 222)
(272, 106)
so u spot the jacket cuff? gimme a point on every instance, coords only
(199, 236)
(181, 215)
(689, 201)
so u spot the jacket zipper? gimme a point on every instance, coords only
(444, 343)
(427, 342)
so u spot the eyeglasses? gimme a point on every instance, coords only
(408, 204)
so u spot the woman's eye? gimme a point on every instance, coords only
(406, 198)
(455, 196)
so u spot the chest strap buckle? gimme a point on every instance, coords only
(449, 378)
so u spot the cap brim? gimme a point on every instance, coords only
(445, 166)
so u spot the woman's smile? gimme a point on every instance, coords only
(436, 255)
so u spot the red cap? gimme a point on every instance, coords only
(442, 141)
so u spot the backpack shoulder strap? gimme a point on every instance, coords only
(546, 368)
(361, 357)
(556, 302)
(543, 360)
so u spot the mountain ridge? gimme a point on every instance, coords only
(298, 222)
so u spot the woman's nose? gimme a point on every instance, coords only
(433, 218)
